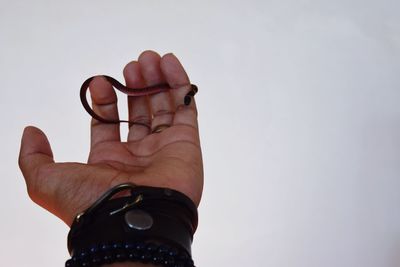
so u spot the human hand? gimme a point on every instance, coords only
(171, 158)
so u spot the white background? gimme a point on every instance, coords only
(299, 111)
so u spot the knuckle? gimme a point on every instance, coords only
(163, 112)
(35, 185)
(190, 112)
(141, 120)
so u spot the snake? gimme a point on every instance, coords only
(143, 91)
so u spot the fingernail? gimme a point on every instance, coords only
(170, 54)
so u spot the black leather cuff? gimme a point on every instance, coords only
(158, 215)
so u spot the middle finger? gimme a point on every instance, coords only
(160, 104)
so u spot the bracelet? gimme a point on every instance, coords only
(107, 253)
(152, 225)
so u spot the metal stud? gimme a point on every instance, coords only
(138, 219)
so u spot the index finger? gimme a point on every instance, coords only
(177, 78)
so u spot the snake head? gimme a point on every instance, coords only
(192, 92)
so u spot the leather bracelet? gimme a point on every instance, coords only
(151, 225)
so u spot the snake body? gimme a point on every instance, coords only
(150, 90)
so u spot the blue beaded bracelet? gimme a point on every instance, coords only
(144, 252)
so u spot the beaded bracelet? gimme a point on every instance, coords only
(145, 252)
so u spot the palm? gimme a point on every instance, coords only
(170, 159)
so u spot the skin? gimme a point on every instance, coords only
(170, 159)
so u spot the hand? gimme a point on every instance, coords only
(171, 158)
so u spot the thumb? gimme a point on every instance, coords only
(46, 181)
(35, 152)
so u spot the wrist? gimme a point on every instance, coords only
(152, 226)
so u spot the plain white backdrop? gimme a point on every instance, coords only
(299, 111)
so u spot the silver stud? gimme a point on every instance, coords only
(138, 219)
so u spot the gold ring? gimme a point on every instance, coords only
(160, 128)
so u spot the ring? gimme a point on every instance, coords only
(160, 128)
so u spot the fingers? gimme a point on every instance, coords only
(138, 107)
(104, 103)
(161, 105)
(165, 108)
(177, 78)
